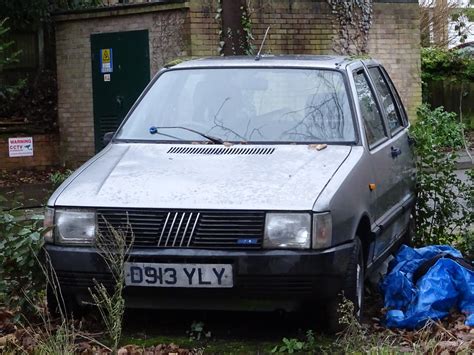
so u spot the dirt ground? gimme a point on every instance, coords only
(174, 332)
(13, 178)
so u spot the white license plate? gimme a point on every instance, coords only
(178, 275)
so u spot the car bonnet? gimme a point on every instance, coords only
(251, 177)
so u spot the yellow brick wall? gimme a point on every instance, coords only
(297, 27)
(306, 27)
(73, 56)
(395, 41)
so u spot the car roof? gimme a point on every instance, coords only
(299, 61)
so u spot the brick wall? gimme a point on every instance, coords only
(395, 41)
(306, 27)
(166, 25)
(45, 150)
(297, 27)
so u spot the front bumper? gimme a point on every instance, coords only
(263, 279)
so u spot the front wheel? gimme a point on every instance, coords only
(353, 290)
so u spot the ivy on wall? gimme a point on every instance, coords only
(218, 18)
(238, 39)
(352, 21)
(246, 21)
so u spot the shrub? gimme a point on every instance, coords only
(20, 243)
(33, 104)
(443, 214)
(438, 64)
(58, 177)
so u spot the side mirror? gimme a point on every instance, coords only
(107, 138)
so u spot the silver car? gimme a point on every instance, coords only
(255, 184)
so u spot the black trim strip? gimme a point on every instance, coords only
(384, 222)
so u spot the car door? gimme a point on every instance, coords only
(400, 148)
(379, 145)
(406, 161)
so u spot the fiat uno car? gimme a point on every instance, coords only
(245, 184)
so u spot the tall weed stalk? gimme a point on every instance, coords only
(114, 247)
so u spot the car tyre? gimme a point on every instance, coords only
(353, 289)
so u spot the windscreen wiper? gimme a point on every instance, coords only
(154, 130)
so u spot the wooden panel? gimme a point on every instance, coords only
(27, 42)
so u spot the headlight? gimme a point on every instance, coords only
(75, 226)
(287, 230)
(48, 223)
(322, 230)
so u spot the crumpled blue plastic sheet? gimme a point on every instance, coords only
(446, 285)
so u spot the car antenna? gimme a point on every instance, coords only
(261, 45)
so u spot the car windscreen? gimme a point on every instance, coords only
(244, 104)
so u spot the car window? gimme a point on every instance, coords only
(387, 100)
(245, 104)
(397, 96)
(373, 122)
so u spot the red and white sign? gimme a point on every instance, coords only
(20, 147)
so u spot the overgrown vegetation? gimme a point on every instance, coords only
(359, 338)
(8, 56)
(239, 39)
(26, 13)
(32, 104)
(114, 247)
(447, 80)
(20, 243)
(28, 94)
(198, 332)
(58, 177)
(442, 65)
(444, 205)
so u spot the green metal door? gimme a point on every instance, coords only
(120, 72)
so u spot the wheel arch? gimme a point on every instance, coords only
(364, 232)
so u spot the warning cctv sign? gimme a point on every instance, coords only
(20, 147)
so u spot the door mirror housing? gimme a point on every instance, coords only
(107, 137)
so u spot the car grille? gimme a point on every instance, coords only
(185, 229)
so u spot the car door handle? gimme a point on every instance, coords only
(395, 152)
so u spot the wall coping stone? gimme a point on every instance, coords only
(120, 10)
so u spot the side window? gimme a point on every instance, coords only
(397, 96)
(388, 101)
(373, 122)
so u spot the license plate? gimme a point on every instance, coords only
(178, 275)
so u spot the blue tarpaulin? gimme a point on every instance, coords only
(412, 299)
